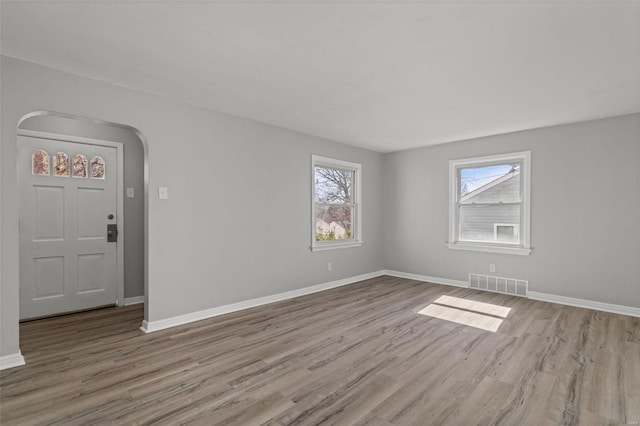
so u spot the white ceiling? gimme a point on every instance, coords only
(382, 75)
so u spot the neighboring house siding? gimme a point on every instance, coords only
(508, 190)
(477, 222)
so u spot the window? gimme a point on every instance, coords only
(62, 167)
(40, 163)
(489, 203)
(61, 164)
(506, 232)
(97, 168)
(335, 204)
(79, 166)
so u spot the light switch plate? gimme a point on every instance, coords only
(129, 192)
(163, 193)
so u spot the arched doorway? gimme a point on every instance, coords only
(80, 172)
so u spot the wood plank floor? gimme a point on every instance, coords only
(355, 355)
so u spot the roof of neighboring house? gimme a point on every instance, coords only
(494, 184)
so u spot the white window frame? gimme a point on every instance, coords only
(356, 232)
(524, 247)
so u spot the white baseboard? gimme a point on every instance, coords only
(133, 300)
(10, 361)
(151, 326)
(545, 297)
(435, 280)
(582, 303)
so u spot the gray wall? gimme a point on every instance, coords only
(210, 243)
(133, 178)
(237, 223)
(584, 220)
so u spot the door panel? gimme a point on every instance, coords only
(91, 224)
(49, 277)
(89, 278)
(66, 262)
(49, 212)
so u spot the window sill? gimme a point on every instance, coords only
(335, 246)
(490, 249)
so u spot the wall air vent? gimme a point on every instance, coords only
(502, 285)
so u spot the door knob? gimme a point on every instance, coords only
(110, 217)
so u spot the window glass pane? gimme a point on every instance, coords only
(506, 233)
(478, 223)
(490, 184)
(40, 163)
(333, 222)
(80, 166)
(97, 168)
(333, 185)
(60, 164)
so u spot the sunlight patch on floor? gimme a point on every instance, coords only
(472, 305)
(485, 316)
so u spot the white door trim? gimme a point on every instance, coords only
(119, 193)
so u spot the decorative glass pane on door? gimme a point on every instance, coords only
(40, 163)
(97, 168)
(60, 164)
(80, 166)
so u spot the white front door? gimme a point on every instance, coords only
(67, 198)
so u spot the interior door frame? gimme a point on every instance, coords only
(119, 193)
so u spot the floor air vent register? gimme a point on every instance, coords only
(502, 285)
